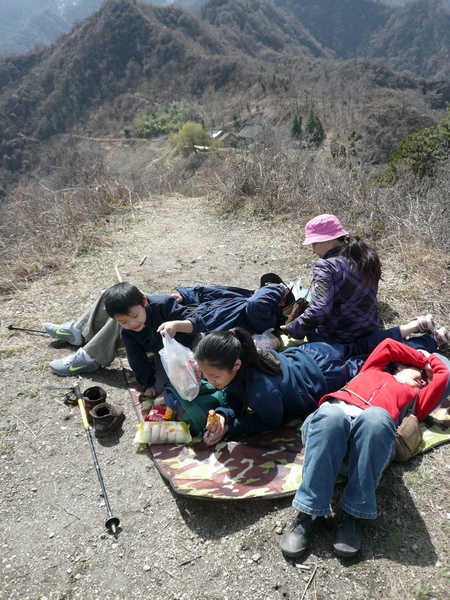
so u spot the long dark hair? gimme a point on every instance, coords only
(364, 257)
(222, 349)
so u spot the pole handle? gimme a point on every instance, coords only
(77, 392)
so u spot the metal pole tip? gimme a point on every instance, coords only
(112, 524)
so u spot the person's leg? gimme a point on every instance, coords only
(103, 345)
(93, 319)
(362, 347)
(200, 294)
(335, 369)
(372, 448)
(422, 342)
(325, 435)
(103, 338)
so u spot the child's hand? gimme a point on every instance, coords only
(178, 297)
(169, 328)
(424, 352)
(216, 428)
(150, 392)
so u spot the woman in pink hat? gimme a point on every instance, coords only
(344, 290)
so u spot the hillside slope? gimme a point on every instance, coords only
(25, 24)
(130, 59)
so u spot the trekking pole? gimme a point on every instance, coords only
(112, 522)
(14, 328)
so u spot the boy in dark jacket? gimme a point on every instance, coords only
(219, 307)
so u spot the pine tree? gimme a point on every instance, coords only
(296, 129)
(313, 132)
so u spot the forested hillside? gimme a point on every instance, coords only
(129, 59)
(412, 35)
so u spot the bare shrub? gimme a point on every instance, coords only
(296, 183)
(262, 180)
(40, 225)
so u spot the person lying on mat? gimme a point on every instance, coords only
(221, 307)
(353, 432)
(261, 386)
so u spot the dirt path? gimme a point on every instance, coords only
(54, 542)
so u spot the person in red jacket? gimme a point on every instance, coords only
(355, 428)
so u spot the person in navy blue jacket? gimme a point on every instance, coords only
(143, 320)
(267, 383)
(99, 330)
(262, 386)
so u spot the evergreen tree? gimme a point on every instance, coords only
(313, 132)
(296, 129)
(423, 150)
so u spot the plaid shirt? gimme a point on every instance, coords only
(341, 309)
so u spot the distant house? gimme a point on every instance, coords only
(225, 137)
(249, 132)
(215, 133)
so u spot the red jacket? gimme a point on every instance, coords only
(382, 389)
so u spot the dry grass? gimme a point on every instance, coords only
(40, 226)
(298, 184)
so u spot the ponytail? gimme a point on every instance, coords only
(365, 259)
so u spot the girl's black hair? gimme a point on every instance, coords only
(222, 349)
(121, 297)
(393, 366)
(364, 257)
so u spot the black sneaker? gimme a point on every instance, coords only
(347, 538)
(296, 539)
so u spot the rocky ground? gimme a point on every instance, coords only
(54, 542)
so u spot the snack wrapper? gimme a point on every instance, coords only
(162, 432)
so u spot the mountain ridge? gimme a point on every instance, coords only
(130, 58)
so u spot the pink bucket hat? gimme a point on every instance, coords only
(323, 229)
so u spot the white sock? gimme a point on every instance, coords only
(86, 356)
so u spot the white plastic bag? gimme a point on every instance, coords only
(180, 365)
(266, 340)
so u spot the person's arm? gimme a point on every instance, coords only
(183, 318)
(389, 351)
(264, 306)
(138, 360)
(174, 327)
(321, 304)
(267, 410)
(431, 395)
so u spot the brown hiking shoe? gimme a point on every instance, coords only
(93, 396)
(106, 417)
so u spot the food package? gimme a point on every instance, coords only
(162, 432)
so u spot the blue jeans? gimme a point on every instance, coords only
(329, 435)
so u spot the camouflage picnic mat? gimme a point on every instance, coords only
(265, 465)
